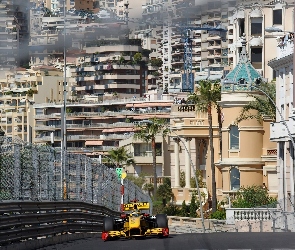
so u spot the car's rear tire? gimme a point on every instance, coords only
(108, 224)
(161, 220)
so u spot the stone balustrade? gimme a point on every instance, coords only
(250, 214)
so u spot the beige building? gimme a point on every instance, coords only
(91, 5)
(246, 156)
(20, 90)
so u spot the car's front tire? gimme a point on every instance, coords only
(162, 221)
(108, 224)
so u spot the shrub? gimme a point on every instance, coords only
(172, 210)
(220, 214)
(184, 209)
(253, 196)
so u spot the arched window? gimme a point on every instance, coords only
(234, 179)
(234, 137)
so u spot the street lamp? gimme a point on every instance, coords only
(63, 109)
(291, 139)
(194, 170)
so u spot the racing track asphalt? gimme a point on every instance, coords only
(231, 241)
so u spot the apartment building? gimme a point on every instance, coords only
(13, 35)
(89, 5)
(47, 41)
(20, 90)
(282, 130)
(94, 127)
(213, 51)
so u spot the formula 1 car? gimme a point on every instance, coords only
(135, 224)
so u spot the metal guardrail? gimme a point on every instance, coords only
(27, 220)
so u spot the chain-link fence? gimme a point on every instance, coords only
(35, 172)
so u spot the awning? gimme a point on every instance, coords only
(149, 104)
(93, 143)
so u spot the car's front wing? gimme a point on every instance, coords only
(164, 232)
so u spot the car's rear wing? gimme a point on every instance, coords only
(137, 205)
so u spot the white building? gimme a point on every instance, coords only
(281, 132)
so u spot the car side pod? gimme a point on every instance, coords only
(165, 232)
(104, 236)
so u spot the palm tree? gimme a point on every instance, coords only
(262, 104)
(147, 132)
(119, 157)
(205, 98)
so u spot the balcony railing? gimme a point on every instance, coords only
(147, 153)
(186, 108)
(105, 102)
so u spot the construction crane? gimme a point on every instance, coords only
(187, 33)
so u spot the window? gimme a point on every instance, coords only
(234, 136)
(234, 178)
(256, 58)
(277, 17)
(256, 26)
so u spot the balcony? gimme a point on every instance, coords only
(45, 128)
(115, 85)
(117, 77)
(278, 131)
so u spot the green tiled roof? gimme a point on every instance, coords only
(243, 70)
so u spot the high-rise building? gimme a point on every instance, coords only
(13, 35)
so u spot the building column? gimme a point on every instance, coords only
(188, 163)
(197, 143)
(291, 171)
(176, 164)
(281, 162)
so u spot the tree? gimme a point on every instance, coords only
(184, 209)
(193, 206)
(165, 191)
(263, 106)
(156, 62)
(199, 177)
(137, 180)
(148, 132)
(182, 179)
(205, 98)
(149, 187)
(253, 196)
(119, 157)
(137, 57)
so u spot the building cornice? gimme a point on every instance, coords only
(240, 161)
(277, 64)
(251, 128)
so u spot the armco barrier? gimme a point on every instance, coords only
(22, 222)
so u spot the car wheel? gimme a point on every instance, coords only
(108, 224)
(161, 220)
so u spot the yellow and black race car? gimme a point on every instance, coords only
(135, 224)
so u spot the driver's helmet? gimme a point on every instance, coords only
(135, 211)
